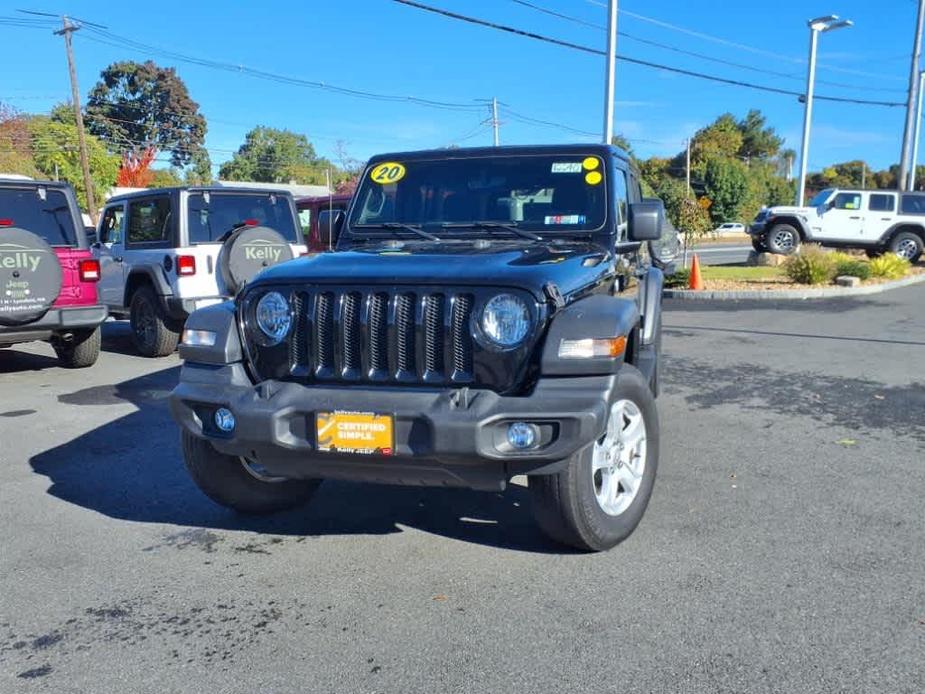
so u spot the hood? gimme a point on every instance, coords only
(571, 266)
(785, 209)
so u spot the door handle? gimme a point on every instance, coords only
(117, 259)
(853, 217)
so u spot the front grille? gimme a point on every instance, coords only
(382, 336)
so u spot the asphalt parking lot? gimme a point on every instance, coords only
(784, 548)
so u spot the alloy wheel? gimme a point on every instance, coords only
(618, 460)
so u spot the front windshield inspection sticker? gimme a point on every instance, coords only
(388, 172)
(592, 178)
(565, 219)
(591, 163)
(566, 167)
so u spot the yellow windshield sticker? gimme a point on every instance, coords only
(592, 178)
(591, 163)
(387, 172)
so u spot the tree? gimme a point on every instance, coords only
(164, 178)
(621, 141)
(135, 170)
(55, 149)
(722, 138)
(15, 143)
(271, 155)
(758, 140)
(726, 185)
(200, 171)
(140, 105)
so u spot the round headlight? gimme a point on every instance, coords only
(274, 317)
(505, 320)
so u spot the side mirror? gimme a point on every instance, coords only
(90, 233)
(646, 220)
(329, 225)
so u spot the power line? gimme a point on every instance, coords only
(695, 54)
(636, 61)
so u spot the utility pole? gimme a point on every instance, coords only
(904, 179)
(816, 26)
(67, 28)
(495, 123)
(688, 167)
(789, 168)
(863, 175)
(916, 139)
(611, 65)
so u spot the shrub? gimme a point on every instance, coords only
(811, 266)
(839, 257)
(853, 268)
(679, 279)
(889, 267)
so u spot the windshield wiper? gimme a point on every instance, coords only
(507, 226)
(399, 225)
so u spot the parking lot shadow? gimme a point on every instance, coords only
(131, 469)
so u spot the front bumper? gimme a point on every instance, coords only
(443, 437)
(57, 320)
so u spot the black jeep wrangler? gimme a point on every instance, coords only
(474, 324)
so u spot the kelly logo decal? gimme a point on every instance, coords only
(16, 257)
(262, 250)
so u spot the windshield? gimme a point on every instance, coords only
(821, 197)
(49, 218)
(214, 215)
(539, 193)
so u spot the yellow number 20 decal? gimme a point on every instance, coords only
(387, 172)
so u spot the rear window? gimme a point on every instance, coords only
(913, 204)
(50, 218)
(212, 216)
(882, 203)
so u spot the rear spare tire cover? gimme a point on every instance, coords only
(30, 277)
(248, 251)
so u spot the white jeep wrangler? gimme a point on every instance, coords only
(874, 220)
(166, 252)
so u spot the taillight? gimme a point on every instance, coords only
(186, 265)
(6, 222)
(89, 270)
(252, 222)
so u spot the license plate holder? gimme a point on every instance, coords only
(357, 433)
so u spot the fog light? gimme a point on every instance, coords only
(521, 435)
(224, 419)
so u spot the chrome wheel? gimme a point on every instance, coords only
(906, 249)
(618, 459)
(259, 472)
(783, 240)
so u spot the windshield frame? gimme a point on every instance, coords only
(295, 238)
(354, 230)
(818, 196)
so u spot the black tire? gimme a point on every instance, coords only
(565, 504)
(783, 239)
(152, 333)
(908, 245)
(81, 351)
(225, 480)
(758, 245)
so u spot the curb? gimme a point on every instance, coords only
(790, 294)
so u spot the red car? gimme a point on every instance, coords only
(47, 275)
(314, 216)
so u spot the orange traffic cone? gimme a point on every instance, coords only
(696, 280)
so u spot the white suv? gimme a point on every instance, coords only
(166, 252)
(874, 220)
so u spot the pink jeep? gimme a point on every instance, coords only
(47, 275)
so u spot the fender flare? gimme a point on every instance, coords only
(154, 274)
(789, 219)
(597, 316)
(901, 226)
(650, 302)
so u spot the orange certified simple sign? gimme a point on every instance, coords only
(362, 433)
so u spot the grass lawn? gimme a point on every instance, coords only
(735, 272)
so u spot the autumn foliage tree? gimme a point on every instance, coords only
(135, 171)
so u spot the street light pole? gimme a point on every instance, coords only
(611, 63)
(904, 179)
(816, 26)
(918, 132)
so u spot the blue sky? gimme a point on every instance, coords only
(385, 47)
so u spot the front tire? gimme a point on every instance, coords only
(81, 351)
(907, 245)
(783, 239)
(597, 501)
(152, 334)
(238, 484)
(758, 245)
